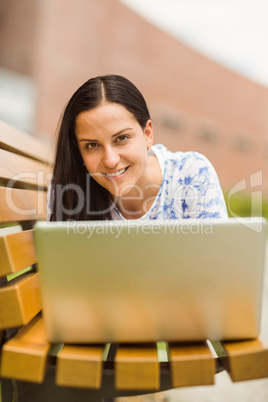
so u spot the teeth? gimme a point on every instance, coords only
(116, 173)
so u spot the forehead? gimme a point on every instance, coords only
(108, 117)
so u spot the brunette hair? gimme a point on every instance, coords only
(74, 194)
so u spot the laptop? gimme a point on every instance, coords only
(144, 281)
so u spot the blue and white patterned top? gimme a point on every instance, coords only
(190, 188)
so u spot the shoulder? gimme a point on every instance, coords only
(190, 161)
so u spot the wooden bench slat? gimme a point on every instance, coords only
(80, 366)
(23, 170)
(19, 300)
(12, 139)
(21, 205)
(244, 360)
(137, 367)
(191, 364)
(17, 251)
(24, 356)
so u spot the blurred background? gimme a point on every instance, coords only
(50, 47)
(200, 64)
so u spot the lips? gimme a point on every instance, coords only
(116, 174)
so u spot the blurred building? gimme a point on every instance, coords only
(50, 47)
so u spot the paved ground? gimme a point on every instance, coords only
(224, 390)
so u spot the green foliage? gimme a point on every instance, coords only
(244, 205)
(23, 271)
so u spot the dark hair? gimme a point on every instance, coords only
(74, 193)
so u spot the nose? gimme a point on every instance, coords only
(110, 157)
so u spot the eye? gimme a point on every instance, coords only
(122, 138)
(91, 145)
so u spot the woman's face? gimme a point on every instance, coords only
(114, 147)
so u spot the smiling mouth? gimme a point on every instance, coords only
(118, 173)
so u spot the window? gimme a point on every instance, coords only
(17, 100)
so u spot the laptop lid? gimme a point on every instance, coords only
(130, 281)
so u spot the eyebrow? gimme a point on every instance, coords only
(114, 135)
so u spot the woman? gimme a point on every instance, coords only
(106, 166)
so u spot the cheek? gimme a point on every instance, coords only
(91, 163)
(137, 151)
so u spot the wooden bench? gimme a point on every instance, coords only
(33, 370)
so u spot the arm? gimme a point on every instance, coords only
(200, 194)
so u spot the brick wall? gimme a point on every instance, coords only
(196, 104)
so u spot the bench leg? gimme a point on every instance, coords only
(20, 391)
(7, 390)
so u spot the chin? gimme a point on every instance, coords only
(121, 192)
